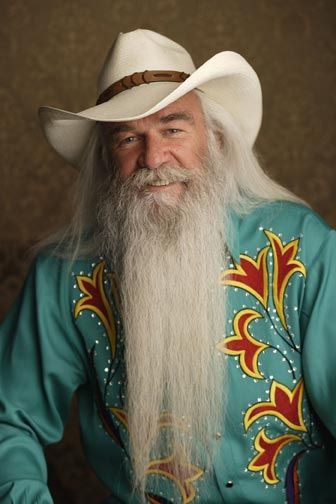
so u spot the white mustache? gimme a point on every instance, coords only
(164, 174)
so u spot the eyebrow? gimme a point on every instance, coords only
(117, 128)
(174, 116)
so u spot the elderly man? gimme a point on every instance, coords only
(189, 303)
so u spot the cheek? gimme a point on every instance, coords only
(195, 150)
(196, 155)
(125, 165)
(202, 145)
(187, 154)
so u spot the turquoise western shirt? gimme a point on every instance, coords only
(64, 334)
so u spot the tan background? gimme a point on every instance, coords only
(50, 53)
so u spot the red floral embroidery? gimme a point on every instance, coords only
(284, 267)
(182, 474)
(243, 344)
(268, 450)
(95, 299)
(250, 275)
(284, 404)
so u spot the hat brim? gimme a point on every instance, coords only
(227, 78)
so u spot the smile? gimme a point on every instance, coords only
(160, 183)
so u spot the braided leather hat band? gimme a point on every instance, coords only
(139, 78)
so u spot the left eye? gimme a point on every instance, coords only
(173, 131)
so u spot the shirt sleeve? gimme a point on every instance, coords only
(319, 329)
(42, 363)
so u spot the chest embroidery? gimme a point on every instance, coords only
(267, 278)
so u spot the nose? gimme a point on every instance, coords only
(153, 153)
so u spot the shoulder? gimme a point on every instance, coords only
(54, 273)
(289, 216)
(288, 222)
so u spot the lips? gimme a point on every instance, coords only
(159, 183)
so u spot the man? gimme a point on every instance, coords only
(189, 303)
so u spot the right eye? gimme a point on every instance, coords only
(128, 140)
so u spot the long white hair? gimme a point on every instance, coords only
(250, 186)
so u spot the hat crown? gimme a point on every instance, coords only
(142, 50)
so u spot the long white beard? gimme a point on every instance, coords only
(169, 257)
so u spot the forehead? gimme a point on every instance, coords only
(189, 102)
(189, 107)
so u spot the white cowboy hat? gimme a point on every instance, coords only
(143, 73)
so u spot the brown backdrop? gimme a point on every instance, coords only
(50, 54)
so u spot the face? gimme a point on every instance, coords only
(174, 136)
